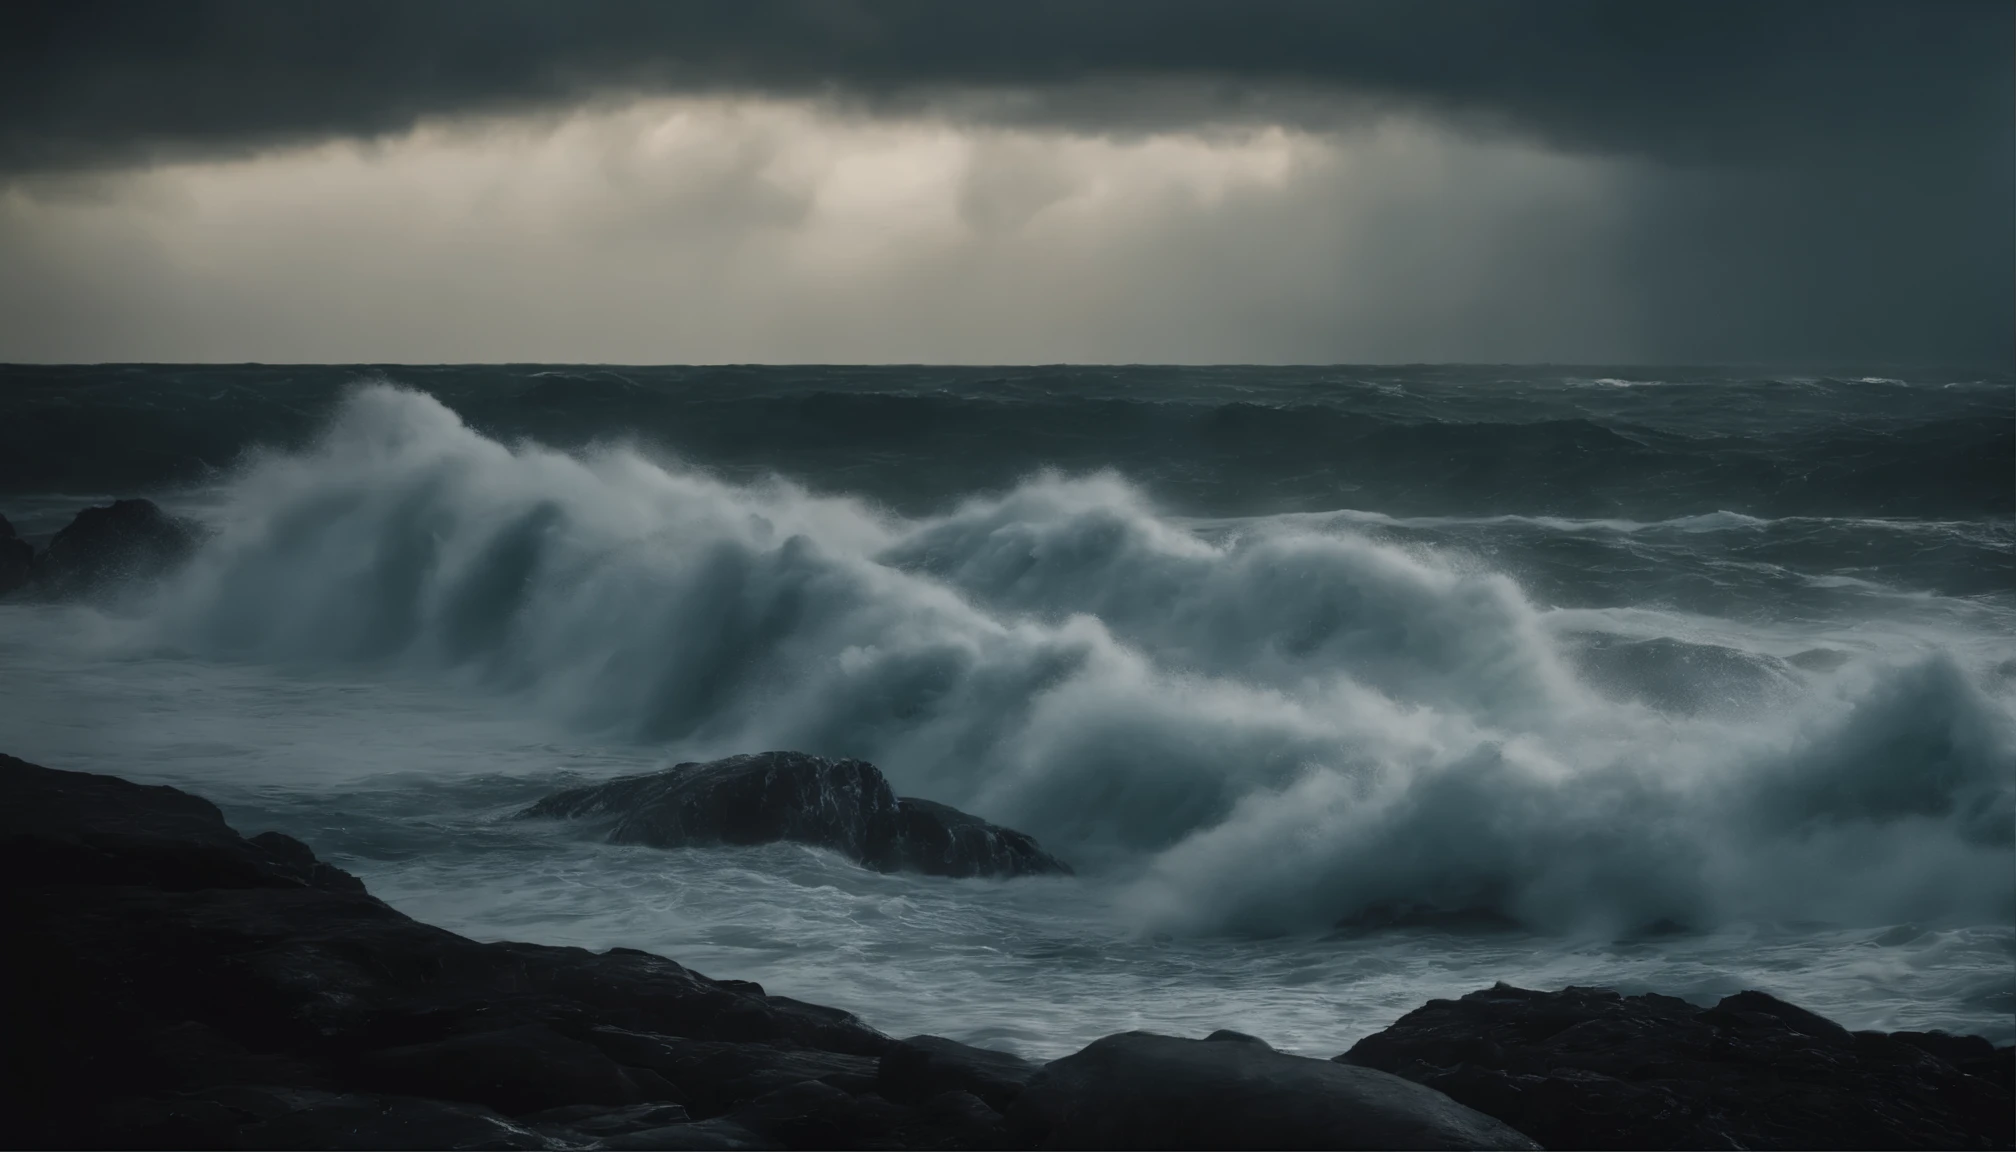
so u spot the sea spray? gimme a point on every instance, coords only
(1274, 729)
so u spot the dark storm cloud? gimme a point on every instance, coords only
(88, 80)
(1813, 178)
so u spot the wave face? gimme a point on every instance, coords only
(1261, 724)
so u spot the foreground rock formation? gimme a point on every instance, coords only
(99, 549)
(845, 805)
(1587, 1068)
(1139, 1090)
(178, 985)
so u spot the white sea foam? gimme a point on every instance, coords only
(1269, 730)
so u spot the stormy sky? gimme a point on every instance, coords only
(908, 180)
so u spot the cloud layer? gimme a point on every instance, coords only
(712, 230)
(884, 180)
(1700, 80)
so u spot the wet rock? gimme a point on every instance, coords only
(297, 859)
(940, 840)
(177, 985)
(1227, 1035)
(1588, 1068)
(354, 1121)
(1140, 1090)
(156, 952)
(17, 559)
(814, 1114)
(105, 546)
(705, 1134)
(596, 1121)
(959, 1119)
(513, 1070)
(845, 805)
(1970, 1054)
(923, 1067)
(713, 1077)
(264, 1116)
(78, 828)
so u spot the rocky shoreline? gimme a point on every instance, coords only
(179, 985)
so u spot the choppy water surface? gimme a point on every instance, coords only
(1708, 680)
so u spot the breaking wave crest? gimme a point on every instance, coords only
(1277, 728)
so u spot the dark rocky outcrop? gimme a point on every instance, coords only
(923, 1067)
(268, 1116)
(105, 546)
(1588, 1068)
(177, 985)
(17, 559)
(845, 805)
(940, 840)
(1140, 1090)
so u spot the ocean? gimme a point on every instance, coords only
(1341, 688)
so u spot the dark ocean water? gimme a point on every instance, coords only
(1587, 442)
(1274, 655)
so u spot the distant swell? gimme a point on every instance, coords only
(1276, 729)
(1438, 442)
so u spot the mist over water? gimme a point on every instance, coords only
(1784, 745)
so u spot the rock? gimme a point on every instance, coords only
(77, 828)
(706, 1134)
(513, 1070)
(354, 1121)
(940, 840)
(299, 859)
(1970, 1054)
(17, 559)
(177, 985)
(814, 1114)
(1140, 1090)
(157, 953)
(923, 1067)
(1229, 1036)
(845, 805)
(268, 1117)
(714, 1077)
(960, 1119)
(105, 546)
(595, 1121)
(1588, 1068)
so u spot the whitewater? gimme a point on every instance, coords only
(1339, 691)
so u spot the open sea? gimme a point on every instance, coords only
(1342, 688)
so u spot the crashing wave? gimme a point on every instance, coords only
(1272, 730)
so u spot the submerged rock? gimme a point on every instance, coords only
(108, 545)
(1140, 1090)
(845, 805)
(1588, 1068)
